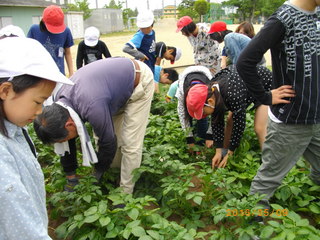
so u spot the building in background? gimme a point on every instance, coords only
(170, 11)
(106, 20)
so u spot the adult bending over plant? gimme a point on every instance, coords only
(226, 91)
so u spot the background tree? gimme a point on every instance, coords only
(114, 5)
(186, 8)
(249, 9)
(201, 7)
(82, 6)
(127, 14)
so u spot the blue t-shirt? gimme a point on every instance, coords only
(54, 43)
(172, 90)
(157, 70)
(145, 43)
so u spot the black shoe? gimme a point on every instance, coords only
(71, 183)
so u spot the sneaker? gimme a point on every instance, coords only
(71, 183)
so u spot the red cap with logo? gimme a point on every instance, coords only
(196, 99)
(217, 27)
(53, 18)
(182, 22)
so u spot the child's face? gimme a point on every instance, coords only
(21, 109)
(164, 78)
(146, 30)
(168, 55)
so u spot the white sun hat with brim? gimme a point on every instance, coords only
(145, 19)
(91, 36)
(178, 55)
(10, 30)
(21, 56)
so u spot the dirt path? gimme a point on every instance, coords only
(166, 32)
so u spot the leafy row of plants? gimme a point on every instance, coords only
(178, 195)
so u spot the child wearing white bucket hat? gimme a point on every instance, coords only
(91, 48)
(28, 75)
(142, 45)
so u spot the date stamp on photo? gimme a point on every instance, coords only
(256, 212)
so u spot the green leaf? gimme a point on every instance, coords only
(91, 218)
(314, 208)
(303, 223)
(197, 200)
(154, 234)
(290, 234)
(112, 234)
(145, 237)
(126, 233)
(104, 221)
(87, 198)
(285, 193)
(133, 213)
(230, 180)
(91, 211)
(274, 224)
(266, 232)
(138, 231)
(276, 206)
(295, 190)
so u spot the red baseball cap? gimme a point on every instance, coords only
(53, 18)
(182, 22)
(217, 27)
(196, 99)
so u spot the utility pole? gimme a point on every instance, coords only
(96, 3)
(175, 9)
(148, 5)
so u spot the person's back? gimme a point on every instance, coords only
(234, 44)
(95, 86)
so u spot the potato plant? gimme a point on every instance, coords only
(178, 195)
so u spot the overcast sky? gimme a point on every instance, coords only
(140, 4)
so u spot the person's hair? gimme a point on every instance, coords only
(19, 84)
(50, 124)
(220, 109)
(247, 29)
(174, 52)
(42, 26)
(219, 36)
(172, 74)
(189, 29)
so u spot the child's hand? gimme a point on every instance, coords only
(209, 143)
(144, 59)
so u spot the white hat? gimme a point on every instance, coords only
(91, 36)
(145, 19)
(178, 55)
(12, 30)
(21, 56)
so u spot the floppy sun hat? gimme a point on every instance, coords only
(145, 19)
(53, 18)
(12, 30)
(178, 55)
(21, 56)
(91, 36)
(217, 27)
(196, 99)
(182, 22)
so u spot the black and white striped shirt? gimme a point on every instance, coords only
(293, 36)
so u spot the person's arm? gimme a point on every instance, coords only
(105, 51)
(68, 57)
(80, 55)
(100, 119)
(268, 37)
(132, 46)
(19, 212)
